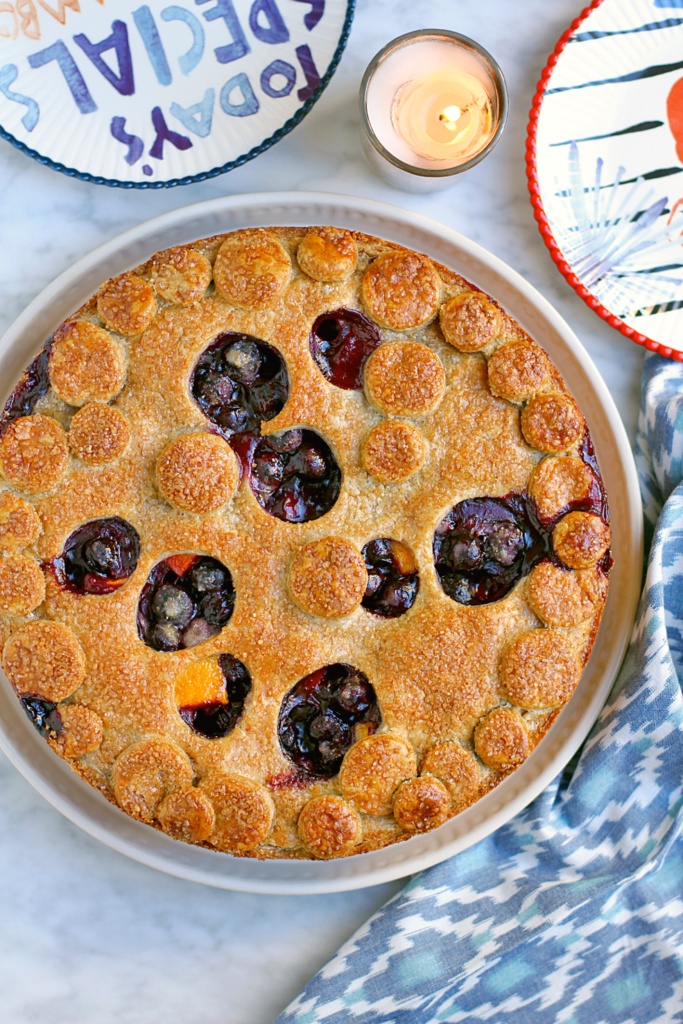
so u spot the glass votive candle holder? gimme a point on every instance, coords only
(433, 104)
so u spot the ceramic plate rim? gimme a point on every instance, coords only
(87, 808)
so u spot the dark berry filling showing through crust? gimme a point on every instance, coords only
(393, 580)
(295, 476)
(238, 383)
(484, 546)
(186, 600)
(98, 557)
(34, 383)
(324, 714)
(341, 343)
(217, 719)
(44, 715)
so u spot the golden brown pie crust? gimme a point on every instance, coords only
(458, 403)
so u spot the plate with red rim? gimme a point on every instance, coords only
(605, 165)
(85, 806)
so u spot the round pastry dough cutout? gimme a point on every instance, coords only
(557, 598)
(146, 772)
(252, 269)
(540, 669)
(327, 254)
(421, 804)
(44, 659)
(457, 769)
(198, 473)
(81, 730)
(404, 379)
(85, 364)
(401, 290)
(328, 577)
(469, 321)
(329, 827)
(127, 304)
(501, 739)
(393, 451)
(244, 812)
(187, 814)
(373, 769)
(20, 525)
(552, 423)
(180, 275)
(34, 454)
(98, 434)
(517, 371)
(556, 483)
(580, 539)
(22, 585)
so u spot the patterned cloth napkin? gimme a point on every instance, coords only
(572, 912)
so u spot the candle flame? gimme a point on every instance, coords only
(450, 115)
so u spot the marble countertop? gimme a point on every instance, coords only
(87, 936)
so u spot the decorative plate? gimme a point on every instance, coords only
(86, 807)
(605, 159)
(152, 95)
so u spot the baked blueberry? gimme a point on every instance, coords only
(186, 600)
(218, 715)
(295, 476)
(98, 557)
(393, 580)
(341, 343)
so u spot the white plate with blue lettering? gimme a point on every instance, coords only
(85, 806)
(150, 95)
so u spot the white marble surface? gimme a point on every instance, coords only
(86, 936)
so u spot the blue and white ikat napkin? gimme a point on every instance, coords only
(573, 912)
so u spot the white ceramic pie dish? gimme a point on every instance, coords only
(54, 779)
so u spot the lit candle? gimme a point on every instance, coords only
(433, 103)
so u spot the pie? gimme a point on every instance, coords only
(303, 541)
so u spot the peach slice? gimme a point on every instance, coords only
(202, 682)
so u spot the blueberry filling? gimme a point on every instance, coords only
(214, 720)
(341, 343)
(238, 382)
(324, 714)
(98, 557)
(44, 715)
(484, 546)
(186, 600)
(294, 476)
(393, 580)
(33, 385)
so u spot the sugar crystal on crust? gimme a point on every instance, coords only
(373, 769)
(327, 254)
(457, 769)
(393, 451)
(404, 379)
(22, 584)
(34, 454)
(552, 423)
(501, 739)
(517, 370)
(98, 434)
(580, 539)
(187, 814)
(20, 525)
(252, 269)
(421, 804)
(540, 669)
(86, 363)
(197, 473)
(244, 812)
(148, 771)
(329, 827)
(44, 659)
(180, 275)
(328, 577)
(127, 304)
(470, 321)
(401, 290)
(558, 482)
